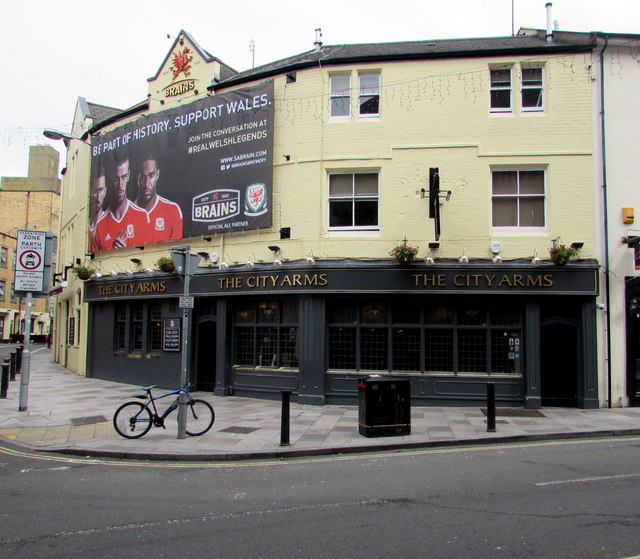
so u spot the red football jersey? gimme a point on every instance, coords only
(165, 219)
(133, 228)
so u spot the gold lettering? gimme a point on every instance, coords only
(274, 280)
(548, 280)
(324, 280)
(489, 279)
(286, 280)
(534, 281)
(297, 279)
(505, 279)
(517, 280)
(251, 281)
(458, 280)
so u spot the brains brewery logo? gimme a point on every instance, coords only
(216, 205)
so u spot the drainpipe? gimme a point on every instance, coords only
(607, 277)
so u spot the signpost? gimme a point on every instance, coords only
(32, 273)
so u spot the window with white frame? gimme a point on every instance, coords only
(518, 198)
(4, 256)
(369, 100)
(500, 90)
(532, 89)
(353, 201)
(2, 290)
(340, 96)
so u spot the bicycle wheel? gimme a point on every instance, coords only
(132, 420)
(200, 417)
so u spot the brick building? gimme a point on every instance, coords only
(294, 182)
(31, 202)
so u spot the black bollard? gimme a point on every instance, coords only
(491, 407)
(285, 418)
(19, 351)
(12, 368)
(4, 384)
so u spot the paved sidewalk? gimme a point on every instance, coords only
(71, 413)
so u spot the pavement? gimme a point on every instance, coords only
(70, 413)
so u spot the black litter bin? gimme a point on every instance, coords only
(384, 406)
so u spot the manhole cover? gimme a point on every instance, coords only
(515, 412)
(237, 429)
(91, 420)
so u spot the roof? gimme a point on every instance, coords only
(417, 50)
(100, 113)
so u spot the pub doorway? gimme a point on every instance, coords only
(206, 355)
(559, 362)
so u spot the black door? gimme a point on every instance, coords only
(559, 363)
(205, 359)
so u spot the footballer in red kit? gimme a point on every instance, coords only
(165, 216)
(124, 224)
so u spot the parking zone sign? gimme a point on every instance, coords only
(30, 261)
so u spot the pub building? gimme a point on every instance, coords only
(315, 328)
(295, 180)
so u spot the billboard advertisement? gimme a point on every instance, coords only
(202, 168)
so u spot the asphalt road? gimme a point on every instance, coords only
(545, 500)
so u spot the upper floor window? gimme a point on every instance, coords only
(2, 288)
(532, 89)
(353, 201)
(4, 256)
(369, 101)
(340, 96)
(518, 198)
(500, 90)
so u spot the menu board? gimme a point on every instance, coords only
(171, 334)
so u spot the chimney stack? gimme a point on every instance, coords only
(318, 42)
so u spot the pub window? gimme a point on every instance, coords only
(265, 333)
(137, 326)
(442, 338)
(155, 326)
(120, 328)
(518, 198)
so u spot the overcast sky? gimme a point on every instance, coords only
(55, 51)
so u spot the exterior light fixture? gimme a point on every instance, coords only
(203, 254)
(311, 259)
(57, 135)
(114, 273)
(225, 262)
(536, 261)
(136, 261)
(148, 270)
(577, 245)
(463, 259)
(497, 259)
(249, 263)
(128, 272)
(98, 275)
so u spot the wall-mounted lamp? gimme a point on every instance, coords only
(98, 275)
(136, 261)
(536, 261)
(141, 247)
(203, 254)
(66, 138)
(311, 260)
(277, 262)
(91, 255)
(464, 259)
(577, 246)
(434, 246)
(225, 262)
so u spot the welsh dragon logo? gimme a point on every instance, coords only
(181, 62)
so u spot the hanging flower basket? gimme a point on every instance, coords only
(404, 254)
(82, 272)
(561, 254)
(166, 264)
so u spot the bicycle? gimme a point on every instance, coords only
(133, 420)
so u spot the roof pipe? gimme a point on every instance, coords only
(549, 37)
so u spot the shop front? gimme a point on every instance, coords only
(315, 329)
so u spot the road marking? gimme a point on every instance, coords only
(242, 463)
(585, 479)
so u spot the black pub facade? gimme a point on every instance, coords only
(316, 328)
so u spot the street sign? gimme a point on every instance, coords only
(186, 302)
(30, 261)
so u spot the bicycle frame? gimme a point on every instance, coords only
(158, 420)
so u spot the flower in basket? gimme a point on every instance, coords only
(560, 254)
(404, 252)
(166, 264)
(83, 272)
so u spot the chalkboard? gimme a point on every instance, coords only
(171, 334)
